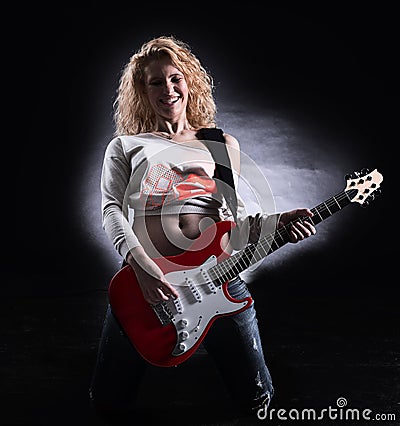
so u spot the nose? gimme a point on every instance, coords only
(169, 88)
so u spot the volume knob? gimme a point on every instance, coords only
(184, 335)
(183, 322)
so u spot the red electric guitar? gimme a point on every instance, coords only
(168, 333)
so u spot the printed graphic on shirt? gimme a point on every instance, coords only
(164, 185)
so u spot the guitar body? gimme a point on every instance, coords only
(169, 333)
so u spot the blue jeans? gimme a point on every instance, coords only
(233, 342)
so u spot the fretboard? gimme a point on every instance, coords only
(253, 253)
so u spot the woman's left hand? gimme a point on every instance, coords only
(299, 229)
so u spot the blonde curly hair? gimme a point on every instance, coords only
(132, 111)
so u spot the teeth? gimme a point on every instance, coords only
(169, 101)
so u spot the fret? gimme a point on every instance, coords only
(330, 213)
(257, 255)
(224, 267)
(334, 198)
(274, 245)
(315, 211)
(232, 267)
(343, 199)
(225, 270)
(265, 241)
(322, 211)
(279, 234)
(265, 250)
(244, 264)
(351, 194)
(314, 220)
(212, 273)
(250, 251)
(334, 205)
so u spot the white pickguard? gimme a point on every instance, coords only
(199, 301)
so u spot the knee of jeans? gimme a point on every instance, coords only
(94, 400)
(255, 406)
(263, 402)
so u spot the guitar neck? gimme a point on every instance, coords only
(268, 244)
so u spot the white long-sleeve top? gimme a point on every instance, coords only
(147, 174)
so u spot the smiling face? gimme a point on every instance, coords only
(166, 90)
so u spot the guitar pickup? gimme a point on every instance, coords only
(194, 290)
(210, 283)
(178, 306)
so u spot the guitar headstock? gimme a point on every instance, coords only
(363, 186)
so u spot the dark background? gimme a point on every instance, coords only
(328, 309)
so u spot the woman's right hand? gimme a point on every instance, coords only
(150, 277)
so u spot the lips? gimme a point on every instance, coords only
(170, 101)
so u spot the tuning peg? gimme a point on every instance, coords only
(353, 175)
(365, 171)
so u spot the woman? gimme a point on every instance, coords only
(158, 193)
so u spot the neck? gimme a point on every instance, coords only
(172, 128)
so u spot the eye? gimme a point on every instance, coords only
(155, 83)
(177, 79)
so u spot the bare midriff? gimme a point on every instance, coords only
(169, 235)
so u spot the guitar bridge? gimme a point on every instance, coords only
(163, 313)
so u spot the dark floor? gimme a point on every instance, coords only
(317, 351)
